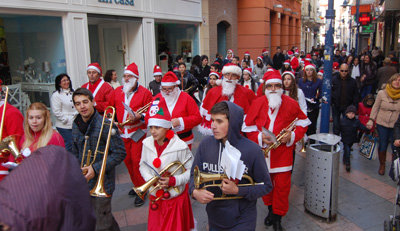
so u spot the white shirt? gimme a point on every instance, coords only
(63, 108)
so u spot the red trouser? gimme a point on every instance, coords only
(132, 160)
(279, 196)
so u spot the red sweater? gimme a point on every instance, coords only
(56, 139)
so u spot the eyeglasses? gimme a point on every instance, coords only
(344, 70)
(170, 89)
(275, 86)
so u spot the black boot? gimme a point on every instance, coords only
(139, 202)
(132, 193)
(268, 219)
(277, 223)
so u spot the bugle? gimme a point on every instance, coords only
(139, 111)
(280, 136)
(201, 178)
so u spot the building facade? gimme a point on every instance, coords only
(310, 23)
(43, 38)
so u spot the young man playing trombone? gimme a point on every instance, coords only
(239, 212)
(275, 112)
(85, 136)
(128, 100)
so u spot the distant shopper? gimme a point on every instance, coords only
(111, 78)
(155, 85)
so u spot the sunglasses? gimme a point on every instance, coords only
(344, 71)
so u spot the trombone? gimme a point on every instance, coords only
(7, 145)
(279, 137)
(200, 178)
(98, 190)
(139, 111)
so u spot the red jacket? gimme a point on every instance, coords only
(294, 62)
(259, 116)
(101, 91)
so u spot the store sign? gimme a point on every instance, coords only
(119, 2)
(367, 29)
(364, 19)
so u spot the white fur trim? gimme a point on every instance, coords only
(181, 127)
(4, 172)
(233, 69)
(309, 66)
(247, 71)
(281, 169)
(128, 72)
(159, 123)
(291, 141)
(205, 131)
(303, 123)
(218, 82)
(289, 73)
(274, 81)
(157, 73)
(261, 81)
(94, 68)
(246, 128)
(168, 84)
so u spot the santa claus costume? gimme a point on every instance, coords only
(12, 125)
(294, 62)
(100, 89)
(136, 98)
(181, 106)
(275, 117)
(170, 208)
(241, 96)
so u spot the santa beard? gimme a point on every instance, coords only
(274, 98)
(228, 86)
(171, 97)
(129, 85)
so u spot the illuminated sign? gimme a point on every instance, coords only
(364, 19)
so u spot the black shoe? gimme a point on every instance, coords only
(348, 167)
(132, 193)
(139, 202)
(268, 219)
(277, 223)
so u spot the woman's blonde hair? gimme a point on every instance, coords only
(393, 78)
(47, 130)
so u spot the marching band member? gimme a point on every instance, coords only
(182, 108)
(133, 133)
(275, 112)
(12, 125)
(99, 88)
(230, 91)
(88, 124)
(172, 211)
(235, 214)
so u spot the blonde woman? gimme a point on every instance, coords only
(38, 131)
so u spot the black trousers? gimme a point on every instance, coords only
(104, 219)
(313, 117)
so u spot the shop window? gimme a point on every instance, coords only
(32, 54)
(176, 39)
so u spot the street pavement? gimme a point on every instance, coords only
(365, 199)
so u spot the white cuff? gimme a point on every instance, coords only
(259, 137)
(9, 165)
(181, 126)
(292, 137)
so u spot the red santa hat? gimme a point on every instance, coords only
(158, 114)
(157, 70)
(296, 52)
(287, 62)
(232, 68)
(264, 51)
(214, 73)
(94, 66)
(308, 57)
(273, 76)
(320, 72)
(170, 79)
(248, 70)
(335, 65)
(247, 53)
(289, 73)
(132, 69)
(175, 68)
(260, 58)
(309, 65)
(290, 53)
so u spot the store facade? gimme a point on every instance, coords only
(42, 38)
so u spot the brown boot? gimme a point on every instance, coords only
(382, 161)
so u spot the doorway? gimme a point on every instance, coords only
(222, 28)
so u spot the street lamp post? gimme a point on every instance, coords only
(326, 83)
(358, 25)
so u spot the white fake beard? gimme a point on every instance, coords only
(228, 88)
(274, 98)
(171, 97)
(128, 85)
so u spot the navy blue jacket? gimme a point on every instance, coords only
(239, 214)
(349, 128)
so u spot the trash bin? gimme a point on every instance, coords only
(322, 176)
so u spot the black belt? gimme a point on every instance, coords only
(185, 134)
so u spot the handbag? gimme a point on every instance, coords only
(369, 146)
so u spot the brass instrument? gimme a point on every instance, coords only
(280, 136)
(200, 178)
(142, 190)
(7, 145)
(188, 89)
(139, 111)
(98, 190)
(303, 146)
(88, 157)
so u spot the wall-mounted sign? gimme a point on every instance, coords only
(364, 19)
(368, 29)
(119, 2)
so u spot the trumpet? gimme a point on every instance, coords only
(280, 136)
(98, 190)
(200, 178)
(188, 89)
(139, 111)
(7, 145)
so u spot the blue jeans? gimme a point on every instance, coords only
(346, 153)
(67, 136)
(385, 136)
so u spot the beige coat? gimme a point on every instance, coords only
(385, 110)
